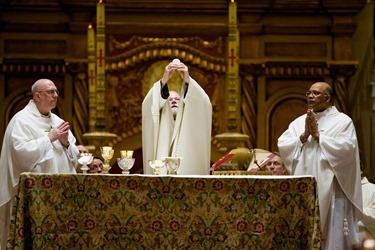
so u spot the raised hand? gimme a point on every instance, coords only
(184, 72)
(60, 132)
(313, 124)
(169, 70)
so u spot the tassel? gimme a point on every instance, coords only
(346, 227)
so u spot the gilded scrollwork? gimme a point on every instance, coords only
(196, 40)
(124, 102)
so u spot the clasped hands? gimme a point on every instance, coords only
(174, 66)
(311, 127)
(61, 133)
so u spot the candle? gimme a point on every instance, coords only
(233, 12)
(100, 37)
(91, 75)
(100, 66)
(232, 86)
(90, 37)
(233, 39)
(100, 13)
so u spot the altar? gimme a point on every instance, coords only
(76, 211)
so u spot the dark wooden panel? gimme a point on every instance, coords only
(42, 47)
(275, 86)
(292, 49)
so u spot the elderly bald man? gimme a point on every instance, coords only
(36, 140)
(323, 143)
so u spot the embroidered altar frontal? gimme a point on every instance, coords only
(165, 212)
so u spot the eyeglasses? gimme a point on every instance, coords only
(51, 92)
(314, 93)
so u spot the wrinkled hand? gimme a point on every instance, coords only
(171, 68)
(184, 72)
(306, 134)
(60, 132)
(312, 124)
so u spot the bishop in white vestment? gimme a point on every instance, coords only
(323, 143)
(35, 140)
(186, 133)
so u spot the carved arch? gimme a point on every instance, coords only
(283, 106)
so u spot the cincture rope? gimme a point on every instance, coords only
(346, 224)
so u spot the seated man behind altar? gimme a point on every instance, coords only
(250, 161)
(273, 163)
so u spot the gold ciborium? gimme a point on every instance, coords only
(107, 154)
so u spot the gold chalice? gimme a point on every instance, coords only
(107, 154)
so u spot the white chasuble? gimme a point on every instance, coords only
(189, 136)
